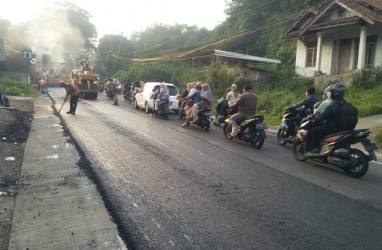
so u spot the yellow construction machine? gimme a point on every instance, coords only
(85, 80)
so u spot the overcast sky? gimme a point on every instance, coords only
(127, 16)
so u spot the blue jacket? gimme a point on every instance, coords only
(196, 96)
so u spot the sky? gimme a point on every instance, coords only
(127, 16)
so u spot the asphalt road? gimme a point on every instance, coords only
(170, 187)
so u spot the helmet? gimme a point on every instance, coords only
(327, 94)
(61, 83)
(337, 91)
(199, 85)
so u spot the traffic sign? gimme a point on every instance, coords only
(27, 55)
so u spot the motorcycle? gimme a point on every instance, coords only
(336, 149)
(127, 95)
(222, 116)
(182, 112)
(204, 119)
(110, 93)
(163, 110)
(252, 131)
(289, 125)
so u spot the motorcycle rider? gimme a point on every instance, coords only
(222, 107)
(205, 101)
(196, 97)
(158, 92)
(246, 104)
(329, 118)
(160, 97)
(308, 104)
(326, 100)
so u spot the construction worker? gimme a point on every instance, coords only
(74, 93)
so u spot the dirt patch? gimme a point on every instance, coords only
(14, 131)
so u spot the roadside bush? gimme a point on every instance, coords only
(15, 86)
(367, 79)
(378, 138)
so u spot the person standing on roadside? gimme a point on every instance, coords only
(74, 93)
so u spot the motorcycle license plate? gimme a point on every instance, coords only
(261, 126)
(369, 145)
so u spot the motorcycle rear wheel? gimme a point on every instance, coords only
(257, 142)
(206, 125)
(281, 135)
(298, 150)
(360, 164)
(227, 130)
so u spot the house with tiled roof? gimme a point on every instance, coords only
(338, 37)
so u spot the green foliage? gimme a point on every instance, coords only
(367, 79)
(16, 86)
(276, 95)
(366, 100)
(378, 138)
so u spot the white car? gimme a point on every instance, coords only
(142, 98)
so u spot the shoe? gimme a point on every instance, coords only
(73, 113)
(69, 112)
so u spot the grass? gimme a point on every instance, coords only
(16, 86)
(378, 138)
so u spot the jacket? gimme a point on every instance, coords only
(331, 115)
(247, 103)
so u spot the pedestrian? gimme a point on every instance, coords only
(74, 93)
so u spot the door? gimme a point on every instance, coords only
(344, 56)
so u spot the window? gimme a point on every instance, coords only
(311, 54)
(371, 43)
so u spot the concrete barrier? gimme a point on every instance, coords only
(21, 103)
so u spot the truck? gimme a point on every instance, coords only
(85, 80)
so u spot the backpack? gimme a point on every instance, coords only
(348, 116)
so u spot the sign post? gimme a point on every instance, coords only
(27, 57)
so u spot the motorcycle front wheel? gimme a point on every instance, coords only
(359, 164)
(281, 135)
(298, 150)
(227, 130)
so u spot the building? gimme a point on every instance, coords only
(338, 37)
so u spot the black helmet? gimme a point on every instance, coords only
(337, 91)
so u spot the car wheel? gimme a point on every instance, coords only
(147, 109)
(136, 105)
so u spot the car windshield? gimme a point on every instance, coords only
(172, 90)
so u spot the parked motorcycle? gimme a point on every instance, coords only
(289, 125)
(252, 131)
(336, 149)
(163, 110)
